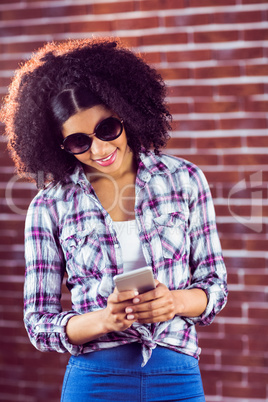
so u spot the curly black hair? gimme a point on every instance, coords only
(110, 73)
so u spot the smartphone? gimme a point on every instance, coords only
(140, 279)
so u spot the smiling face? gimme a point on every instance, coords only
(110, 157)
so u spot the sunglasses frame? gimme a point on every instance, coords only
(92, 135)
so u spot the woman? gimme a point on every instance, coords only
(85, 115)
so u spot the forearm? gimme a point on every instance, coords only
(189, 302)
(84, 328)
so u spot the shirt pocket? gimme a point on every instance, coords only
(82, 251)
(172, 229)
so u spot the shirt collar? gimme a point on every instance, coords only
(151, 164)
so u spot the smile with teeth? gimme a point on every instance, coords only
(108, 160)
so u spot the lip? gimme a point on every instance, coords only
(105, 161)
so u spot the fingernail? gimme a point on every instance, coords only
(136, 300)
(130, 317)
(129, 310)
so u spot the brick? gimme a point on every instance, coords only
(90, 26)
(257, 376)
(256, 280)
(245, 262)
(221, 176)
(179, 143)
(237, 17)
(238, 53)
(220, 375)
(258, 244)
(245, 159)
(257, 70)
(152, 57)
(257, 331)
(5, 81)
(218, 142)
(22, 47)
(246, 123)
(216, 72)
(196, 125)
(226, 343)
(238, 210)
(256, 34)
(199, 160)
(210, 388)
(188, 20)
(241, 89)
(259, 313)
(163, 39)
(149, 5)
(207, 358)
(191, 91)
(137, 23)
(257, 141)
(209, 3)
(216, 106)
(174, 73)
(246, 297)
(231, 311)
(21, 14)
(130, 41)
(115, 7)
(179, 107)
(45, 29)
(189, 55)
(216, 36)
(10, 64)
(230, 243)
(240, 391)
(81, 9)
(258, 345)
(256, 105)
(254, 1)
(10, 31)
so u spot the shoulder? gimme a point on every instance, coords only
(62, 190)
(182, 169)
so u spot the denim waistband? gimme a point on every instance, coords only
(129, 358)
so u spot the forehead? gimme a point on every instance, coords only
(85, 121)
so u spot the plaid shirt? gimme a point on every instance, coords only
(67, 229)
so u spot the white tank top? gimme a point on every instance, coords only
(127, 233)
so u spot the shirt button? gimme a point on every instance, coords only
(116, 245)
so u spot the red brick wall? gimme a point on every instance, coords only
(213, 55)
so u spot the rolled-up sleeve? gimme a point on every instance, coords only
(44, 319)
(208, 271)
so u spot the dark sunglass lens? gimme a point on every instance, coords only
(109, 129)
(77, 143)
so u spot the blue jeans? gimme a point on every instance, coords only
(116, 375)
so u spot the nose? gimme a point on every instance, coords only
(98, 147)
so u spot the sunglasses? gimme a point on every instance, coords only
(107, 130)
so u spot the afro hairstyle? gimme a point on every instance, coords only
(110, 73)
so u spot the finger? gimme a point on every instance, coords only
(147, 306)
(156, 293)
(157, 312)
(119, 297)
(160, 315)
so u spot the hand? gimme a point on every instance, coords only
(157, 305)
(115, 317)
